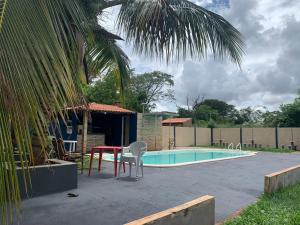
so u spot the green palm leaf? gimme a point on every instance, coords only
(171, 29)
(2, 10)
(106, 55)
(39, 63)
(103, 53)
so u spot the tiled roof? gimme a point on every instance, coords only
(105, 108)
(176, 120)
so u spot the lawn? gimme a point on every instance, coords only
(281, 208)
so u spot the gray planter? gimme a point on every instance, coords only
(58, 176)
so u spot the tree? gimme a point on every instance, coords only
(47, 45)
(39, 68)
(221, 107)
(142, 92)
(146, 89)
(290, 114)
(271, 119)
(105, 90)
(167, 29)
(249, 116)
(185, 113)
(205, 112)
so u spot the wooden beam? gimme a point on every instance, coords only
(122, 130)
(84, 131)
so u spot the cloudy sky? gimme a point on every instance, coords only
(270, 73)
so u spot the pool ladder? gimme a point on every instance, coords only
(237, 147)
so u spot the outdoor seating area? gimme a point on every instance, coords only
(149, 112)
(234, 184)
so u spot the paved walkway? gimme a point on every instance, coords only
(104, 200)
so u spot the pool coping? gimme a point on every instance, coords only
(249, 154)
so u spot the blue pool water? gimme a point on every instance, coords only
(182, 157)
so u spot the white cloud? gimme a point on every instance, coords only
(270, 73)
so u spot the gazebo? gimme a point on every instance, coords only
(98, 124)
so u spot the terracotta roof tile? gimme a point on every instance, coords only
(104, 108)
(175, 120)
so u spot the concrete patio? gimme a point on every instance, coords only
(104, 200)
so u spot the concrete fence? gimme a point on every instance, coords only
(248, 137)
(150, 130)
(200, 211)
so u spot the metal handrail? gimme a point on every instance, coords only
(230, 146)
(238, 147)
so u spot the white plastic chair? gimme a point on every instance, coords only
(133, 155)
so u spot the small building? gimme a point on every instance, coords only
(179, 122)
(108, 125)
(149, 128)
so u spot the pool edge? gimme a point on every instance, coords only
(249, 154)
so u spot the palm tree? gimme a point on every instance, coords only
(39, 70)
(167, 29)
(47, 46)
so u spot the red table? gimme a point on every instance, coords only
(100, 150)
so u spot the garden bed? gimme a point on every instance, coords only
(56, 176)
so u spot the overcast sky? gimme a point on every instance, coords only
(270, 73)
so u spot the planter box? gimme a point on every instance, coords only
(58, 176)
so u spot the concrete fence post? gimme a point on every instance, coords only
(211, 136)
(241, 136)
(174, 134)
(276, 137)
(195, 135)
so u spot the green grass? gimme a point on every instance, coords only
(276, 150)
(86, 163)
(280, 208)
(264, 149)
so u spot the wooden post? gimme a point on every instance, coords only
(122, 130)
(84, 131)
(84, 137)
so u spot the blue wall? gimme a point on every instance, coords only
(102, 123)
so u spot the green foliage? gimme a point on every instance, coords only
(222, 108)
(39, 69)
(178, 28)
(46, 46)
(212, 112)
(211, 124)
(102, 52)
(282, 207)
(105, 91)
(250, 117)
(289, 115)
(205, 112)
(226, 115)
(141, 93)
(148, 89)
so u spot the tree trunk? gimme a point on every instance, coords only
(39, 155)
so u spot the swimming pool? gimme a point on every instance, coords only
(182, 157)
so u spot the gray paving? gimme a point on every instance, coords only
(104, 200)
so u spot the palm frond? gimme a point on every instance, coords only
(173, 29)
(105, 54)
(38, 78)
(3, 4)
